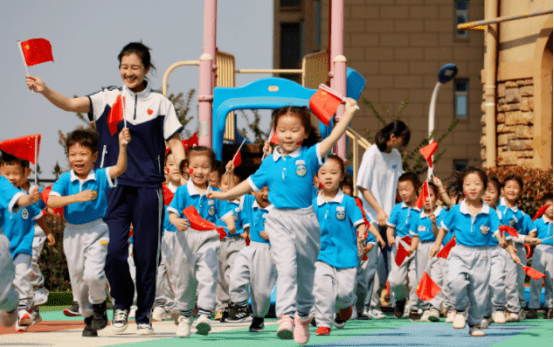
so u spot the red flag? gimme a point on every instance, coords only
(44, 196)
(247, 240)
(273, 137)
(540, 212)
(324, 105)
(237, 160)
(401, 254)
(423, 196)
(36, 51)
(407, 239)
(221, 232)
(361, 207)
(116, 114)
(22, 147)
(193, 141)
(196, 221)
(427, 288)
(534, 274)
(428, 151)
(511, 231)
(446, 249)
(168, 195)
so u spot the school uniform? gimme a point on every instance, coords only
(192, 255)
(254, 266)
(440, 277)
(469, 262)
(337, 263)
(542, 262)
(138, 198)
(515, 275)
(365, 274)
(292, 225)
(86, 237)
(404, 219)
(9, 195)
(37, 279)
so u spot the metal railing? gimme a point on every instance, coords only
(357, 141)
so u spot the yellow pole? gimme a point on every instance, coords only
(491, 35)
(468, 26)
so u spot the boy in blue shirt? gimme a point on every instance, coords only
(403, 221)
(82, 194)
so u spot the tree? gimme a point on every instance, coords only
(260, 136)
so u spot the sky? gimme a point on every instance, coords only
(87, 36)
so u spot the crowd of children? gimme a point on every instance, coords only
(329, 254)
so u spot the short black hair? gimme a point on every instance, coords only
(8, 159)
(85, 137)
(514, 178)
(347, 181)
(546, 197)
(412, 177)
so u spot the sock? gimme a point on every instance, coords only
(204, 312)
(242, 304)
(186, 314)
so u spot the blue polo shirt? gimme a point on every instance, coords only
(209, 209)
(338, 220)
(18, 228)
(515, 218)
(469, 231)
(425, 226)
(494, 241)
(288, 177)
(238, 216)
(255, 218)
(544, 230)
(85, 212)
(9, 195)
(404, 219)
(167, 224)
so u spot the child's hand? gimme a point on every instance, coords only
(351, 105)
(515, 258)
(34, 194)
(51, 240)
(267, 148)
(369, 247)
(432, 217)
(86, 195)
(380, 241)
(264, 236)
(438, 183)
(230, 167)
(411, 250)
(124, 137)
(215, 195)
(181, 224)
(382, 218)
(391, 241)
(533, 241)
(361, 237)
(35, 84)
(434, 251)
(502, 242)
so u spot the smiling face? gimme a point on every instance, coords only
(81, 159)
(491, 195)
(473, 186)
(290, 132)
(172, 169)
(133, 72)
(511, 191)
(429, 203)
(330, 175)
(261, 197)
(407, 191)
(201, 166)
(14, 172)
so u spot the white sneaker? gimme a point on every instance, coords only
(434, 315)
(145, 329)
(459, 321)
(133, 311)
(24, 318)
(20, 328)
(512, 317)
(203, 325)
(158, 313)
(485, 323)
(119, 321)
(450, 316)
(40, 296)
(376, 314)
(499, 317)
(476, 331)
(184, 328)
(35, 316)
(425, 316)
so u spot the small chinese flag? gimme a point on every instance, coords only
(221, 232)
(22, 147)
(324, 105)
(428, 151)
(423, 196)
(407, 239)
(273, 137)
(193, 141)
(44, 196)
(427, 288)
(237, 159)
(445, 251)
(401, 254)
(506, 229)
(116, 114)
(534, 274)
(540, 212)
(361, 207)
(196, 221)
(36, 51)
(168, 195)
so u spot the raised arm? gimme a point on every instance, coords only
(240, 190)
(79, 104)
(55, 201)
(339, 129)
(121, 165)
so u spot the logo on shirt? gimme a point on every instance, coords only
(301, 170)
(25, 214)
(484, 229)
(340, 213)
(236, 214)
(421, 228)
(394, 166)
(211, 210)
(513, 221)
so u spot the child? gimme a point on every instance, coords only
(191, 256)
(82, 193)
(341, 223)
(473, 223)
(403, 221)
(18, 228)
(253, 265)
(292, 225)
(522, 223)
(11, 200)
(216, 175)
(542, 262)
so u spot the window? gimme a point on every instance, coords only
(461, 88)
(318, 25)
(291, 49)
(460, 164)
(290, 3)
(462, 12)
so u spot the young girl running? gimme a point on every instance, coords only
(191, 255)
(474, 223)
(292, 225)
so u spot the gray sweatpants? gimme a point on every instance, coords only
(365, 279)
(37, 280)
(515, 278)
(191, 259)
(22, 280)
(295, 239)
(397, 278)
(164, 286)
(9, 297)
(542, 262)
(254, 267)
(468, 280)
(424, 262)
(85, 247)
(334, 289)
(440, 277)
(228, 251)
(496, 300)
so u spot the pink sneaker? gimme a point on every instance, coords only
(301, 331)
(286, 326)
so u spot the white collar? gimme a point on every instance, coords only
(546, 221)
(171, 187)
(145, 92)
(91, 176)
(338, 198)
(464, 210)
(277, 153)
(267, 208)
(404, 205)
(436, 212)
(503, 203)
(192, 189)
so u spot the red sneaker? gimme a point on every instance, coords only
(323, 331)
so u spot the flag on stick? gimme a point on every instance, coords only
(324, 103)
(428, 151)
(45, 195)
(423, 196)
(25, 147)
(237, 158)
(168, 195)
(511, 231)
(540, 212)
(445, 251)
(401, 251)
(221, 232)
(196, 221)
(116, 114)
(36, 51)
(427, 289)
(534, 274)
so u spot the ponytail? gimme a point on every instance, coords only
(398, 128)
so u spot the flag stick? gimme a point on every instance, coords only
(24, 62)
(36, 161)
(268, 140)
(124, 115)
